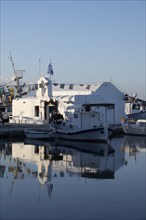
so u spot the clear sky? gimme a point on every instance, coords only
(87, 41)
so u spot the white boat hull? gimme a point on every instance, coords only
(133, 129)
(98, 134)
(95, 134)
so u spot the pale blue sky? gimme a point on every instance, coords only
(87, 41)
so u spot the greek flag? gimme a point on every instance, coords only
(50, 69)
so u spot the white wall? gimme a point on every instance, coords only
(24, 107)
(44, 88)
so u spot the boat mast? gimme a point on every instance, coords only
(17, 77)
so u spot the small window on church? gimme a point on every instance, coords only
(88, 108)
(36, 111)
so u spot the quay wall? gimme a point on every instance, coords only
(12, 130)
(16, 131)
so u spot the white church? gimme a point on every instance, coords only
(80, 105)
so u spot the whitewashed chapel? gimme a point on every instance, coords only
(92, 103)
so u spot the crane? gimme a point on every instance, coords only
(18, 74)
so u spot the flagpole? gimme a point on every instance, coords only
(51, 65)
(39, 67)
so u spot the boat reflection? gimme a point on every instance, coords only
(46, 161)
(134, 143)
(132, 146)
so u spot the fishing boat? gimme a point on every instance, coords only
(96, 134)
(135, 108)
(137, 115)
(133, 127)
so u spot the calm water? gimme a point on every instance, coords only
(41, 180)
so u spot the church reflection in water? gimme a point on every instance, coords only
(45, 160)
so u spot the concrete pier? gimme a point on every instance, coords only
(11, 131)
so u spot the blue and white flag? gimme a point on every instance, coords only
(50, 69)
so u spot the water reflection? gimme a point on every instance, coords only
(133, 144)
(47, 160)
(42, 168)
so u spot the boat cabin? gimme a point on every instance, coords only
(103, 104)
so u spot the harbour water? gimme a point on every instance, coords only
(73, 181)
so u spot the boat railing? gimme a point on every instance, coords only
(128, 120)
(24, 120)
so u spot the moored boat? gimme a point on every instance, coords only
(137, 115)
(133, 127)
(96, 134)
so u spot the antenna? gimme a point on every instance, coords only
(110, 78)
(39, 67)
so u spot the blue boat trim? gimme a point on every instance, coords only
(81, 131)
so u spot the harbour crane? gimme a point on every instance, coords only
(18, 74)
